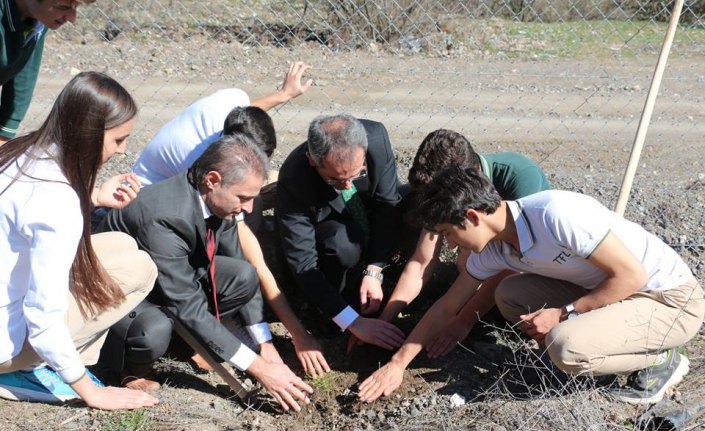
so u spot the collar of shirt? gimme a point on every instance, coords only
(206, 211)
(485, 166)
(523, 227)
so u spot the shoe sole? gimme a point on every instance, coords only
(677, 377)
(19, 394)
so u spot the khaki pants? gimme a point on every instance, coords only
(619, 338)
(134, 272)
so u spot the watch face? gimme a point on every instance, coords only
(573, 314)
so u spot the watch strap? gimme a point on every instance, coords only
(376, 274)
(568, 311)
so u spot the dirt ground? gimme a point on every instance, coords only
(577, 118)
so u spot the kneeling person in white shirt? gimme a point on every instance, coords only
(601, 293)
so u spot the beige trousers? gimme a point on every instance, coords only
(620, 338)
(134, 272)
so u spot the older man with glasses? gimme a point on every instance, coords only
(338, 216)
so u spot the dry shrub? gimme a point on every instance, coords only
(381, 21)
(531, 393)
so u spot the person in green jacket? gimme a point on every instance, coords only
(24, 27)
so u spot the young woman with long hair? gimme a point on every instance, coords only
(60, 287)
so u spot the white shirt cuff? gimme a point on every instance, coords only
(73, 374)
(345, 318)
(259, 332)
(243, 358)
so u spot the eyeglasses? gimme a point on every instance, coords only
(342, 181)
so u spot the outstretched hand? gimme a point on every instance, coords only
(285, 386)
(113, 398)
(309, 353)
(377, 332)
(382, 382)
(110, 397)
(292, 86)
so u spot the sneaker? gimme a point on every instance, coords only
(40, 384)
(648, 386)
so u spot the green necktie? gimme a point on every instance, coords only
(356, 207)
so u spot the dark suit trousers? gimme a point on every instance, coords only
(340, 246)
(143, 336)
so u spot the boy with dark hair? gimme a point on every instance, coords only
(602, 294)
(255, 122)
(513, 175)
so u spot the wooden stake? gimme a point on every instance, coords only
(628, 179)
(205, 353)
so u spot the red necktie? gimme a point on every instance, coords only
(210, 250)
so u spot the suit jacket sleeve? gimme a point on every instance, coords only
(298, 238)
(178, 282)
(385, 218)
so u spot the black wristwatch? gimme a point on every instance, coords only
(369, 273)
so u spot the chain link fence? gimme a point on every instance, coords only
(410, 53)
(561, 81)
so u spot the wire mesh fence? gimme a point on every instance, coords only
(549, 75)
(407, 52)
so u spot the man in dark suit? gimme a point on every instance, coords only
(173, 221)
(338, 214)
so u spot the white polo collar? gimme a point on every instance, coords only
(523, 228)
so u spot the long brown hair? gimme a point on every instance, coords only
(90, 104)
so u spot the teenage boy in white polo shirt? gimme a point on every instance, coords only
(600, 292)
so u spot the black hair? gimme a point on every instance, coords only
(254, 122)
(446, 199)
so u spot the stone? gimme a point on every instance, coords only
(457, 400)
